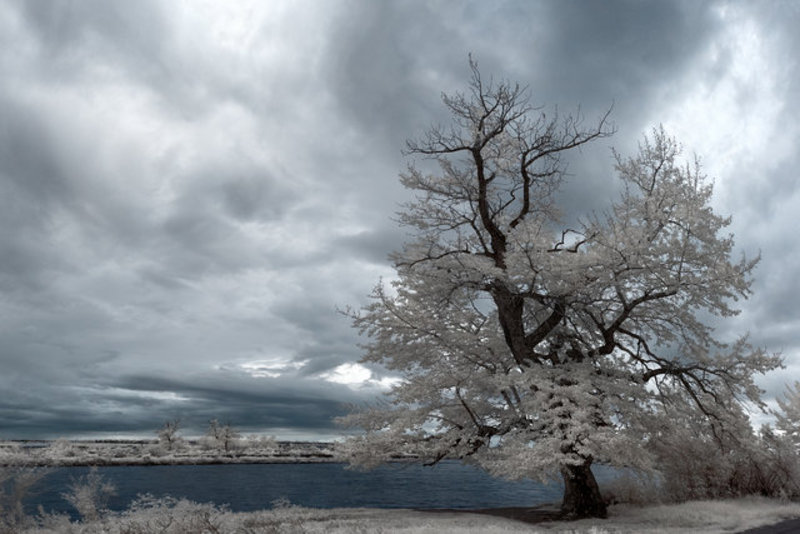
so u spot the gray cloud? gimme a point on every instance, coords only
(187, 196)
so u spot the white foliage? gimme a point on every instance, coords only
(788, 418)
(222, 437)
(89, 494)
(15, 485)
(169, 435)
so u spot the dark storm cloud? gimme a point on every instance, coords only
(625, 56)
(624, 48)
(373, 245)
(128, 28)
(140, 404)
(187, 195)
(29, 160)
(587, 55)
(387, 62)
(248, 197)
(32, 184)
(265, 402)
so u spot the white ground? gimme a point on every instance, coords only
(688, 518)
(709, 517)
(181, 517)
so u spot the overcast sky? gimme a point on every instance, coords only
(188, 190)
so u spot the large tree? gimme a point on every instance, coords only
(534, 349)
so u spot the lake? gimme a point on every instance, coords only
(248, 487)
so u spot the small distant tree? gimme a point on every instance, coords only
(214, 430)
(537, 349)
(223, 436)
(168, 434)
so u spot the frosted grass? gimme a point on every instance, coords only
(181, 516)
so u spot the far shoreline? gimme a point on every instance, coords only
(132, 452)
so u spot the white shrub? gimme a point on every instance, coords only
(89, 495)
(15, 485)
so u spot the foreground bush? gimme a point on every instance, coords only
(15, 484)
(726, 459)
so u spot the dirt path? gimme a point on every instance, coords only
(790, 526)
(539, 514)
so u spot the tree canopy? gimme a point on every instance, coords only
(536, 349)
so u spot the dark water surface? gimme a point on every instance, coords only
(254, 486)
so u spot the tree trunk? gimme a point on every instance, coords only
(581, 493)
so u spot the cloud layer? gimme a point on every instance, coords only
(189, 191)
